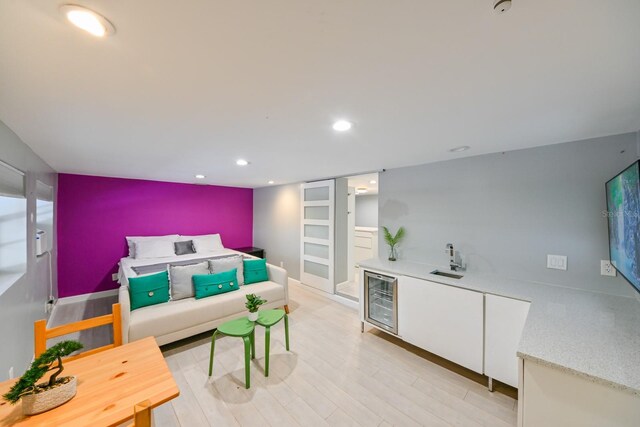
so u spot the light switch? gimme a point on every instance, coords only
(557, 262)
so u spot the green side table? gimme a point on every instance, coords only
(241, 328)
(268, 318)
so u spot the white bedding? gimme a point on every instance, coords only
(125, 265)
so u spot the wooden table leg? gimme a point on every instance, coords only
(142, 414)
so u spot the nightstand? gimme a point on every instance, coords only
(257, 252)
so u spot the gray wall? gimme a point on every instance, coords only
(367, 211)
(506, 212)
(24, 301)
(276, 225)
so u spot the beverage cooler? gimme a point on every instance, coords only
(381, 301)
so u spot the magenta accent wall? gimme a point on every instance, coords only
(94, 214)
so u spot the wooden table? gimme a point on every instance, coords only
(110, 384)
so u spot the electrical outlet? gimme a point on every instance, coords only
(557, 262)
(606, 268)
(11, 373)
(114, 277)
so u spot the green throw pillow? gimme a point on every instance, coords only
(255, 270)
(207, 285)
(149, 290)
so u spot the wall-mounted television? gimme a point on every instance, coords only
(623, 213)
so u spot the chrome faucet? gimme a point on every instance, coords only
(453, 265)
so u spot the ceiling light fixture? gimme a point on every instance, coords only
(271, 182)
(241, 162)
(460, 149)
(373, 181)
(342, 126)
(501, 6)
(88, 20)
(361, 190)
(200, 176)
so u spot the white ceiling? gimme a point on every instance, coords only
(187, 87)
(365, 181)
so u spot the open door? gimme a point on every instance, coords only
(317, 243)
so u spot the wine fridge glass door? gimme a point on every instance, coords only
(381, 301)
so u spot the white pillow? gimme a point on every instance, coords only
(205, 243)
(154, 248)
(131, 241)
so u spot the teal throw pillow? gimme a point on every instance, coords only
(149, 290)
(255, 270)
(207, 285)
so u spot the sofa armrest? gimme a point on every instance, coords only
(279, 275)
(125, 309)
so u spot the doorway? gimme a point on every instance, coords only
(361, 230)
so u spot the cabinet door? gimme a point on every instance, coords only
(504, 322)
(443, 320)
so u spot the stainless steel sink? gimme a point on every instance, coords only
(446, 274)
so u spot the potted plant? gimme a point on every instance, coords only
(253, 303)
(393, 241)
(37, 398)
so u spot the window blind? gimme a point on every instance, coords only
(11, 181)
(44, 192)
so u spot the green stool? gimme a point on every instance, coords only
(242, 328)
(268, 318)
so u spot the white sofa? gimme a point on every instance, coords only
(175, 320)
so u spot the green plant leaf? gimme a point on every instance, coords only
(254, 302)
(39, 367)
(390, 239)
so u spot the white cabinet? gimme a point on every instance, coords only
(555, 398)
(504, 321)
(365, 245)
(443, 320)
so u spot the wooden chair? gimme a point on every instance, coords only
(42, 334)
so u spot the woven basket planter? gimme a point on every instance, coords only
(41, 402)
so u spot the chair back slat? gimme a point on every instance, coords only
(41, 334)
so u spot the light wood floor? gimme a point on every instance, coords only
(334, 375)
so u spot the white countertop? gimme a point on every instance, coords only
(594, 335)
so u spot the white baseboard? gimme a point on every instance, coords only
(87, 297)
(337, 298)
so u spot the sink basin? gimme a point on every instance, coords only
(446, 274)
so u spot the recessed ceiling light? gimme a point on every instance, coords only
(241, 162)
(271, 182)
(199, 176)
(88, 20)
(459, 149)
(342, 126)
(373, 181)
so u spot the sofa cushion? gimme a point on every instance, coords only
(149, 290)
(208, 285)
(178, 315)
(255, 270)
(218, 265)
(181, 279)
